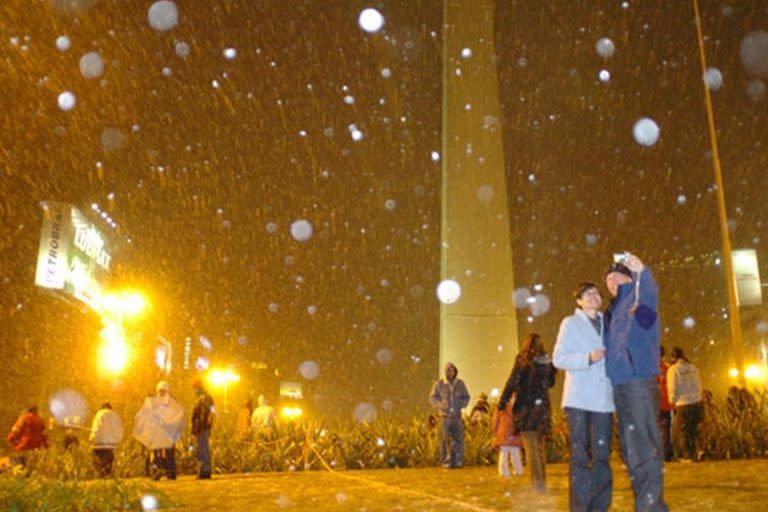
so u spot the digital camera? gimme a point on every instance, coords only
(621, 257)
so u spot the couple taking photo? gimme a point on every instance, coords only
(611, 360)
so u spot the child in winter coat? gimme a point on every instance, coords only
(506, 441)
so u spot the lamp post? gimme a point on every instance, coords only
(733, 306)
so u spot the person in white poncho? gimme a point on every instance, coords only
(159, 424)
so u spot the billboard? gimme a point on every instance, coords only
(747, 276)
(74, 255)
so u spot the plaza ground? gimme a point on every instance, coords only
(722, 486)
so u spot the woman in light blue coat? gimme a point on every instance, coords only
(587, 400)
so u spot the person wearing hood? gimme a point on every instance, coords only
(531, 378)
(106, 434)
(159, 424)
(449, 396)
(632, 353)
(587, 401)
(684, 387)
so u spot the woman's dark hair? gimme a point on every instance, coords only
(584, 286)
(532, 348)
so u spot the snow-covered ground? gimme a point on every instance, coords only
(722, 486)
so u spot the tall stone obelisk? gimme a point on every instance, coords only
(478, 332)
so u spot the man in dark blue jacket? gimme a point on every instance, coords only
(632, 364)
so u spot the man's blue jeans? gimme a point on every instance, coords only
(452, 441)
(591, 483)
(204, 453)
(637, 409)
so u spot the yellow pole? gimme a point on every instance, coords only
(733, 307)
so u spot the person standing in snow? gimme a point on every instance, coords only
(531, 378)
(449, 396)
(684, 385)
(632, 363)
(587, 401)
(106, 433)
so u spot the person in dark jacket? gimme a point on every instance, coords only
(449, 396)
(531, 378)
(632, 363)
(202, 423)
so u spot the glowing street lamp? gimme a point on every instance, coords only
(113, 352)
(222, 379)
(754, 374)
(291, 413)
(126, 304)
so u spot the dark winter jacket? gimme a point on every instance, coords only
(532, 410)
(632, 334)
(202, 416)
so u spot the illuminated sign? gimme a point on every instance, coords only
(747, 276)
(291, 390)
(74, 255)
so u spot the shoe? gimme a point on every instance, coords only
(206, 476)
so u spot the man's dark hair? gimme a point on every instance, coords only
(677, 353)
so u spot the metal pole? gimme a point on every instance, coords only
(733, 306)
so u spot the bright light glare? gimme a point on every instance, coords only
(129, 304)
(291, 413)
(733, 373)
(755, 372)
(133, 303)
(113, 353)
(222, 378)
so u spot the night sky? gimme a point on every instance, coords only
(206, 142)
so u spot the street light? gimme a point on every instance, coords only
(114, 308)
(113, 352)
(125, 304)
(754, 374)
(222, 379)
(291, 413)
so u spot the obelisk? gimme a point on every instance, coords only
(478, 332)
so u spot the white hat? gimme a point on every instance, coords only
(163, 385)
